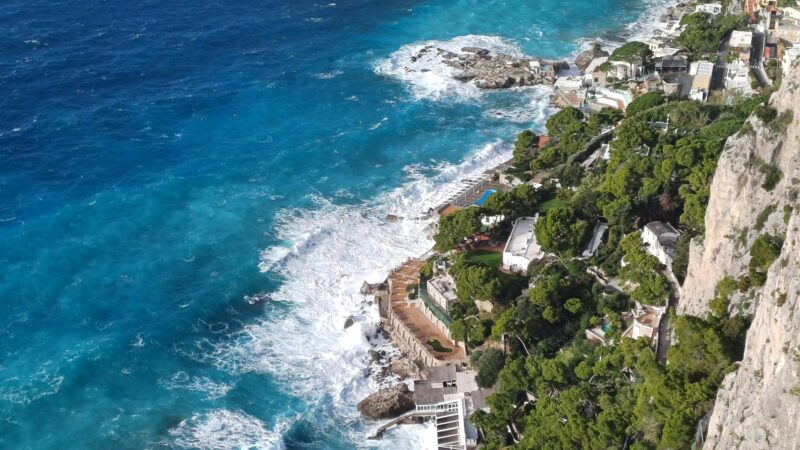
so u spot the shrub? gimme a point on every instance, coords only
(765, 113)
(488, 364)
(763, 253)
(772, 175)
(780, 124)
(762, 217)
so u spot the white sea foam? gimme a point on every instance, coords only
(639, 30)
(428, 77)
(205, 385)
(333, 249)
(222, 429)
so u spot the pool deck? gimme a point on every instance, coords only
(474, 188)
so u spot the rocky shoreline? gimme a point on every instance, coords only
(492, 71)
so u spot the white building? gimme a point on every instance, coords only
(741, 42)
(645, 323)
(741, 39)
(660, 239)
(709, 8)
(613, 98)
(442, 291)
(522, 247)
(701, 85)
(737, 77)
(450, 397)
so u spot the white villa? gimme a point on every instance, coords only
(645, 323)
(450, 397)
(659, 239)
(522, 247)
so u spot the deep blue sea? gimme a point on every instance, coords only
(191, 194)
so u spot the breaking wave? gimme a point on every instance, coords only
(428, 77)
(221, 429)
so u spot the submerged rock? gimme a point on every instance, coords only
(387, 403)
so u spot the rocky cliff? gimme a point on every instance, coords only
(755, 192)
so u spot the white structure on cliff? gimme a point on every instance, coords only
(646, 320)
(522, 247)
(442, 291)
(450, 396)
(660, 239)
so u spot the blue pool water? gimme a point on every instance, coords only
(191, 194)
(482, 199)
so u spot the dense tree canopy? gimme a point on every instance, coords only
(457, 226)
(561, 232)
(702, 34)
(523, 148)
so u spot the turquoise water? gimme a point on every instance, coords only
(193, 193)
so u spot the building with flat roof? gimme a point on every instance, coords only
(701, 85)
(450, 396)
(741, 42)
(442, 291)
(672, 63)
(522, 247)
(660, 239)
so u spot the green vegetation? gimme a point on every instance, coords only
(680, 261)
(633, 51)
(763, 216)
(438, 347)
(554, 387)
(523, 148)
(485, 258)
(568, 133)
(702, 34)
(488, 363)
(561, 232)
(779, 125)
(588, 398)
(772, 175)
(644, 270)
(513, 203)
(644, 102)
(765, 250)
(456, 227)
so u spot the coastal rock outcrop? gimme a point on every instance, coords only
(492, 71)
(387, 403)
(758, 405)
(585, 57)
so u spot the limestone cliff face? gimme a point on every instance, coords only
(758, 406)
(738, 199)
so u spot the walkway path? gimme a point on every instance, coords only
(664, 328)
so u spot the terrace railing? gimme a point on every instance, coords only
(430, 304)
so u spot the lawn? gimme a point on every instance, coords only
(438, 347)
(493, 260)
(485, 258)
(550, 204)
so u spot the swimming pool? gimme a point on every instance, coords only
(480, 201)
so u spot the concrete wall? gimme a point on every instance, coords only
(405, 339)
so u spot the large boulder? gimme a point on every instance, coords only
(387, 403)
